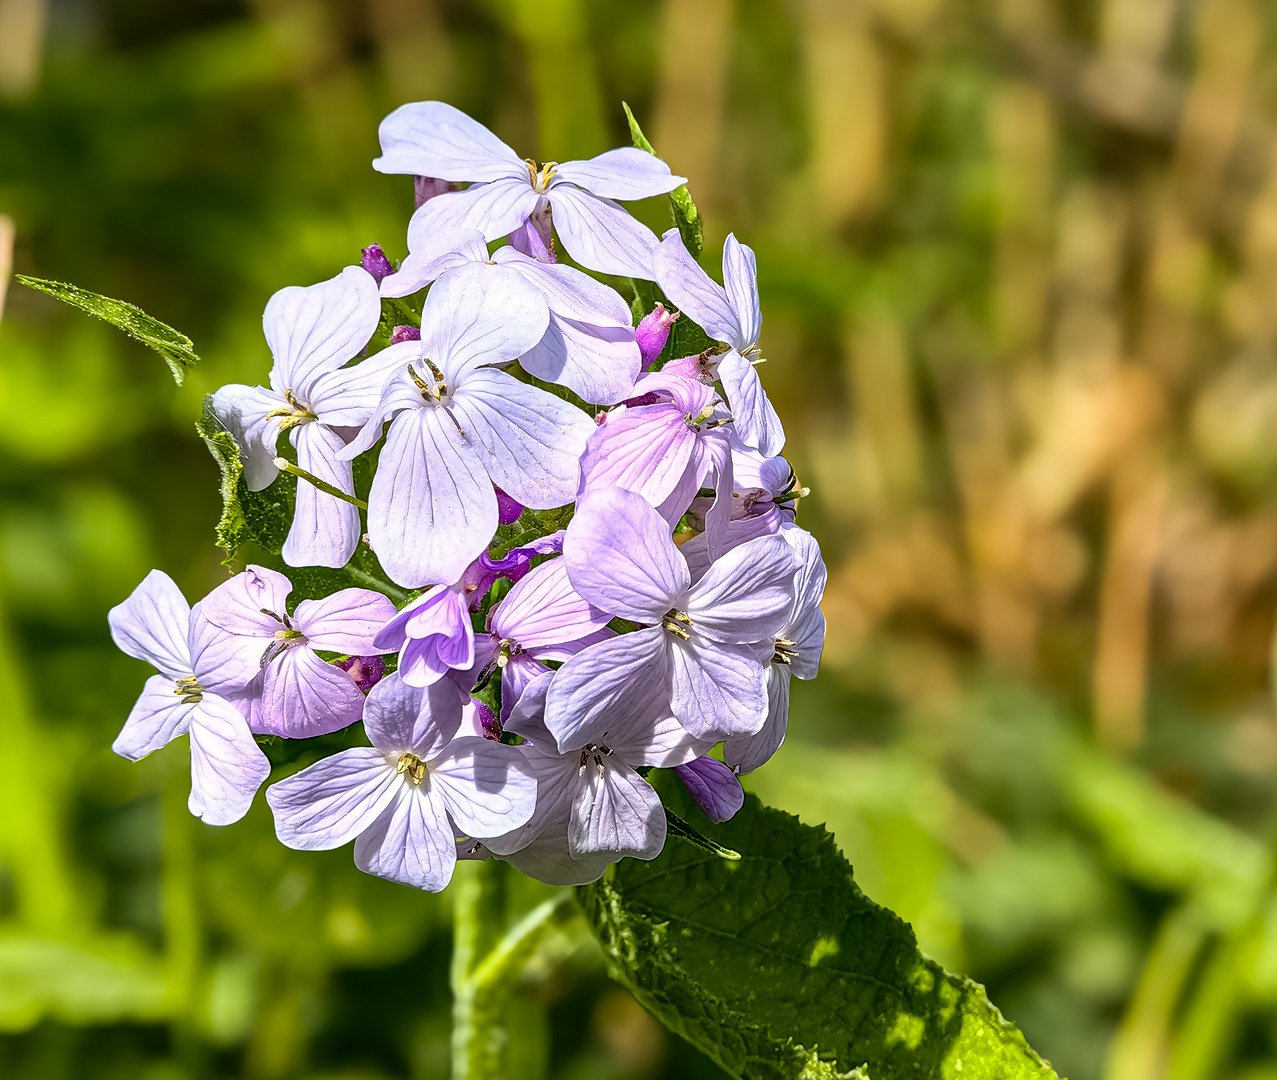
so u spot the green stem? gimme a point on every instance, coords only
(284, 465)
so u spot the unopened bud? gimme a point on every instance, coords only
(376, 263)
(485, 721)
(508, 509)
(367, 671)
(653, 332)
(533, 236)
(425, 188)
(404, 333)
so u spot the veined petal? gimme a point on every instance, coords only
(756, 422)
(156, 719)
(597, 363)
(608, 686)
(547, 858)
(740, 282)
(494, 209)
(645, 449)
(487, 786)
(349, 396)
(412, 842)
(334, 800)
(245, 411)
(230, 632)
(478, 315)
(398, 394)
(806, 626)
(153, 624)
(317, 329)
(433, 138)
(716, 690)
(518, 674)
(713, 787)
(347, 621)
(748, 594)
(431, 509)
(392, 636)
(403, 719)
(303, 696)
(693, 292)
(325, 529)
(616, 810)
(625, 173)
(663, 743)
(600, 235)
(568, 292)
(227, 765)
(529, 441)
(544, 609)
(430, 253)
(621, 558)
(745, 753)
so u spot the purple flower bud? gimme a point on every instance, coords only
(485, 721)
(713, 787)
(425, 188)
(376, 263)
(533, 236)
(404, 333)
(702, 367)
(367, 671)
(508, 510)
(653, 332)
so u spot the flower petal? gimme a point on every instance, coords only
(156, 719)
(740, 282)
(756, 422)
(303, 696)
(600, 235)
(153, 624)
(430, 253)
(646, 449)
(433, 138)
(616, 810)
(431, 509)
(334, 800)
(398, 394)
(694, 293)
(547, 858)
(544, 609)
(412, 842)
(568, 292)
(317, 329)
(403, 719)
(325, 529)
(347, 621)
(745, 753)
(478, 315)
(245, 411)
(748, 594)
(597, 363)
(349, 396)
(494, 209)
(625, 173)
(227, 765)
(713, 787)
(487, 786)
(716, 690)
(806, 626)
(230, 632)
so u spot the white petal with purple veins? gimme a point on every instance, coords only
(487, 787)
(716, 690)
(303, 696)
(478, 315)
(747, 595)
(692, 291)
(153, 625)
(600, 234)
(230, 632)
(616, 811)
(404, 719)
(756, 422)
(597, 363)
(625, 173)
(646, 449)
(745, 753)
(325, 529)
(227, 765)
(544, 609)
(433, 138)
(334, 800)
(245, 411)
(431, 253)
(157, 718)
(412, 842)
(568, 292)
(347, 621)
(740, 282)
(493, 209)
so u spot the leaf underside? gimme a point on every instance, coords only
(779, 967)
(177, 349)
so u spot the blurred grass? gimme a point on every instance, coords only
(1019, 269)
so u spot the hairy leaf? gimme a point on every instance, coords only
(176, 348)
(686, 216)
(778, 966)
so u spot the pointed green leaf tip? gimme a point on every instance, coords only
(176, 348)
(686, 216)
(779, 967)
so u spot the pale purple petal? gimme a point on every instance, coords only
(620, 556)
(518, 674)
(530, 442)
(608, 686)
(395, 632)
(745, 753)
(479, 720)
(740, 282)
(156, 719)
(435, 139)
(430, 254)
(568, 292)
(412, 842)
(245, 411)
(600, 235)
(694, 293)
(325, 529)
(645, 449)
(713, 787)
(398, 394)
(748, 594)
(479, 314)
(616, 810)
(626, 173)
(494, 209)
(806, 626)
(544, 609)
(317, 329)
(230, 632)
(716, 456)
(153, 624)
(547, 859)
(227, 765)
(431, 509)
(597, 363)
(716, 690)
(402, 719)
(663, 743)
(756, 422)
(527, 717)
(303, 696)
(344, 622)
(534, 238)
(487, 787)
(334, 800)
(349, 396)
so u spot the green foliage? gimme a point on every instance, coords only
(686, 216)
(530, 525)
(778, 966)
(176, 348)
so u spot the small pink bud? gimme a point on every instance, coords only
(376, 263)
(365, 670)
(425, 188)
(533, 236)
(404, 333)
(653, 332)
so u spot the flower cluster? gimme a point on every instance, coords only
(533, 688)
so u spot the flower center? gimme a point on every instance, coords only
(676, 622)
(753, 353)
(287, 637)
(595, 752)
(786, 651)
(296, 413)
(413, 766)
(435, 391)
(189, 690)
(702, 420)
(540, 178)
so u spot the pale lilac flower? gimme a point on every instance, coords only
(242, 630)
(593, 808)
(376, 262)
(798, 646)
(457, 427)
(481, 574)
(713, 787)
(653, 331)
(732, 315)
(367, 671)
(433, 138)
(589, 343)
(700, 654)
(227, 766)
(312, 332)
(404, 799)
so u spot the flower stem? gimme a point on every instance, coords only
(284, 465)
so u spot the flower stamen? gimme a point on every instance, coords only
(676, 622)
(189, 690)
(597, 752)
(786, 651)
(413, 766)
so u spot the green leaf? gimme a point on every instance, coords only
(778, 966)
(176, 348)
(686, 216)
(530, 525)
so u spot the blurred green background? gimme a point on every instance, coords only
(1019, 269)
